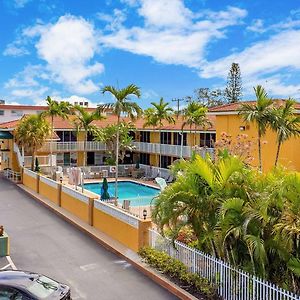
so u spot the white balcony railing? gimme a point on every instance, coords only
(171, 150)
(72, 146)
(155, 148)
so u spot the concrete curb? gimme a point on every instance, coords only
(113, 246)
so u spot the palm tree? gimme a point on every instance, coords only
(84, 121)
(120, 106)
(286, 124)
(259, 113)
(156, 115)
(194, 114)
(192, 198)
(56, 109)
(31, 133)
(108, 135)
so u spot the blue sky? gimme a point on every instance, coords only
(70, 49)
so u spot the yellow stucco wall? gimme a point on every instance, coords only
(289, 155)
(76, 207)
(48, 191)
(115, 228)
(30, 182)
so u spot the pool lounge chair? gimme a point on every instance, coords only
(152, 176)
(170, 179)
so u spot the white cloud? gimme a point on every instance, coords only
(172, 33)
(165, 13)
(13, 49)
(257, 26)
(68, 46)
(20, 3)
(276, 86)
(28, 78)
(114, 21)
(282, 50)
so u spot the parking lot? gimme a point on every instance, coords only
(44, 243)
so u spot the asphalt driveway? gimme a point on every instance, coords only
(42, 242)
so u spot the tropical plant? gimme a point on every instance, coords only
(37, 166)
(56, 109)
(285, 123)
(31, 133)
(247, 218)
(177, 271)
(155, 115)
(189, 200)
(122, 105)
(194, 115)
(260, 113)
(84, 121)
(108, 135)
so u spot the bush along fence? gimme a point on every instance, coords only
(129, 230)
(232, 283)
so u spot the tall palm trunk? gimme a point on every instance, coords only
(191, 141)
(117, 160)
(84, 148)
(159, 163)
(181, 144)
(51, 151)
(259, 151)
(277, 153)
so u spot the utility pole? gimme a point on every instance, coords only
(178, 100)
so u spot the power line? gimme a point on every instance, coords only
(178, 100)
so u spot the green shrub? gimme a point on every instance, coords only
(178, 271)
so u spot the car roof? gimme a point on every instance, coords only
(17, 278)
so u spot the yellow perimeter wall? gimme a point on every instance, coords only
(120, 231)
(75, 206)
(30, 182)
(133, 237)
(49, 191)
(289, 154)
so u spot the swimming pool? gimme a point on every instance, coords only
(138, 194)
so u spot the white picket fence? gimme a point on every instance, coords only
(232, 283)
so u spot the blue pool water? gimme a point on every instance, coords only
(138, 194)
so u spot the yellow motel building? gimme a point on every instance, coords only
(69, 146)
(228, 120)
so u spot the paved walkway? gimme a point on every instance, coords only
(43, 242)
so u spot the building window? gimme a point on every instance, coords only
(90, 137)
(18, 113)
(166, 138)
(166, 161)
(67, 136)
(207, 139)
(145, 137)
(145, 158)
(1, 112)
(177, 138)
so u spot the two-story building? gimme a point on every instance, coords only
(172, 143)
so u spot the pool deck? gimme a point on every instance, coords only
(135, 210)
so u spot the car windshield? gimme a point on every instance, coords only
(43, 287)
